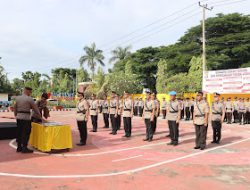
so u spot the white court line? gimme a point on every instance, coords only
(104, 152)
(118, 160)
(121, 172)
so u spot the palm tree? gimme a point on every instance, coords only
(120, 53)
(92, 57)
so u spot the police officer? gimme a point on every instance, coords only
(127, 111)
(201, 112)
(157, 111)
(113, 112)
(248, 111)
(119, 112)
(42, 106)
(173, 117)
(22, 107)
(149, 114)
(235, 110)
(82, 116)
(105, 111)
(241, 111)
(217, 117)
(192, 108)
(229, 110)
(164, 108)
(187, 107)
(140, 106)
(94, 104)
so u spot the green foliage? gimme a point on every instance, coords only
(162, 75)
(120, 54)
(4, 82)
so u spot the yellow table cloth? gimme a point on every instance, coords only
(47, 138)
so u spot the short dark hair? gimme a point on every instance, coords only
(27, 88)
(45, 95)
(113, 92)
(81, 93)
(200, 92)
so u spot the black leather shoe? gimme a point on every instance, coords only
(175, 144)
(145, 139)
(171, 143)
(93, 131)
(111, 133)
(150, 140)
(19, 149)
(114, 133)
(26, 150)
(196, 147)
(202, 148)
(213, 142)
(81, 144)
(167, 135)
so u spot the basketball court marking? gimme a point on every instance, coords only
(121, 172)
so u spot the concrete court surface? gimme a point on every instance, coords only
(113, 162)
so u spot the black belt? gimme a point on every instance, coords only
(127, 110)
(148, 110)
(81, 112)
(229, 108)
(199, 115)
(173, 111)
(93, 109)
(215, 113)
(27, 112)
(105, 107)
(112, 107)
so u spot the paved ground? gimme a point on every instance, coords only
(113, 162)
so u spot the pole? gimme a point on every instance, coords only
(204, 67)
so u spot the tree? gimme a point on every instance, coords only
(162, 76)
(120, 54)
(92, 57)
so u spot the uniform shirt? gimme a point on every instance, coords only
(228, 106)
(136, 103)
(149, 106)
(105, 106)
(157, 107)
(127, 107)
(217, 111)
(247, 104)
(241, 107)
(113, 105)
(140, 103)
(199, 117)
(120, 107)
(164, 105)
(187, 104)
(235, 105)
(82, 107)
(93, 107)
(42, 106)
(181, 104)
(25, 103)
(173, 108)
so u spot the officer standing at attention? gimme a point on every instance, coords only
(157, 111)
(82, 116)
(235, 108)
(164, 108)
(105, 111)
(22, 107)
(248, 111)
(241, 111)
(113, 112)
(94, 105)
(192, 108)
(148, 115)
(140, 106)
(127, 110)
(201, 112)
(119, 113)
(173, 117)
(229, 110)
(187, 107)
(218, 114)
(136, 106)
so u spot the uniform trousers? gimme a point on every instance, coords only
(241, 116)
(201, 135)
(174, 131)
(229, 117)
(216, 125)
(187, 111)
(164, 113)
(94, 122)
(149, 129)
(106, 120)
(113, 120)
(82, 127)
(127, 126)
(23, 132)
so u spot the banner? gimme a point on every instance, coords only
(227, 81)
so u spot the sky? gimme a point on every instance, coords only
(39, 35)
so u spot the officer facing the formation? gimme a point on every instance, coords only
(187, 107)
(247, 103)
(164, 108)
(113, 111)
(201, 112)
(93, 103)
(22, 107)
(241, 111)
(149, 114)
(218, 114)
(127, 110)
(173, 117)
(82, 116)
(42, 106)
(229, 110)
(105, 111)
(140, 106)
